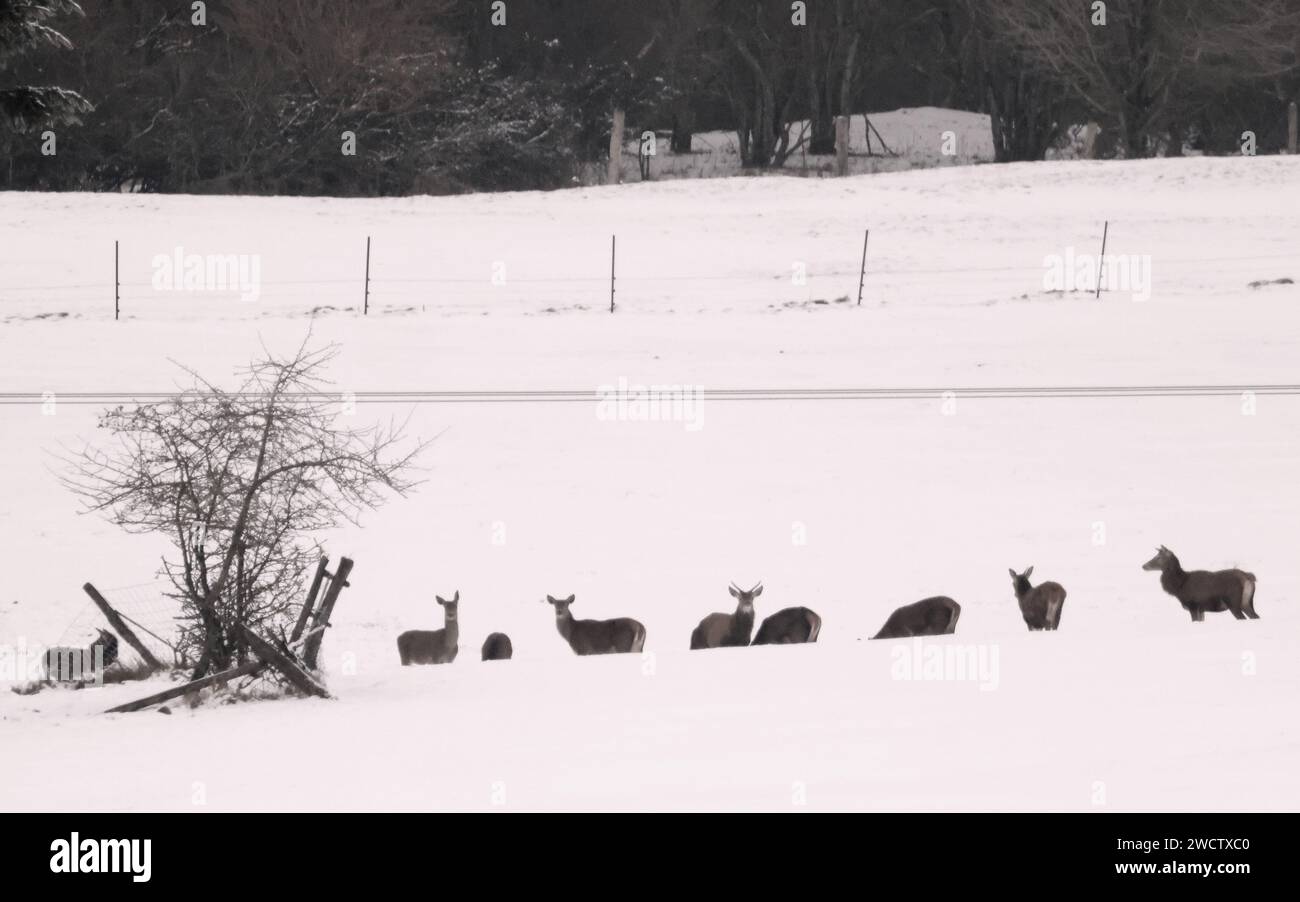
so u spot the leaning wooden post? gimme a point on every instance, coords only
(310, 603)
(366, 309)
(1101, 261)
(616, 149)
(841, 145)
(862, 275)
(1291, 127)
(119, 626)
(338, 580)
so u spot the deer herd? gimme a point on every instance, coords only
(1198, 591)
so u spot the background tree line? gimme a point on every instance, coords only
(245, 96)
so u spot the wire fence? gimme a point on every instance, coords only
(377, 289)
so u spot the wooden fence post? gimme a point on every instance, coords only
(613, 247)
(338, 580)
(841, 145)
(1291, 128)
(1101, 261)
(366, 309)
(119, 626)
(117, 282)
(310, 603)
(862, 275)
(616, 149)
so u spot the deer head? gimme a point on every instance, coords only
(746, 598)
(449, 604)
(561, 604)
(1162, 559)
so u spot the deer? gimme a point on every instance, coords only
(77, 666)
(789, 626)
(432, 646)
(622, 635)
(935, 616)
(1204, 590)
(1040, 605)
(729, 630)
(497, 647)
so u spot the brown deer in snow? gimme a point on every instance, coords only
(433, 646)
(789, 626)
(597, 637)
(1205, 590)
(1040, 605)
(497, 647)
(935, 616)
(729, 630)
(78, 666)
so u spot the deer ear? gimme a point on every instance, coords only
(1013, 573)
(456, 597)
(759, 590)
(1029, 572)
(439, 599)
(550, 599)
(569, 600)
(732, 590)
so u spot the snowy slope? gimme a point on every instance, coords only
(1129, 706)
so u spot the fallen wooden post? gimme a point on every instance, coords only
(338, 581)
(119, 626)
(215, 679)
(310, 603)
(298, 677)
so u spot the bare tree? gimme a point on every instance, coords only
(238, 481)
(1135, 63)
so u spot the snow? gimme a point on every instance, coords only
(851, 507)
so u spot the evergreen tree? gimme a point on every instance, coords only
(24, 26)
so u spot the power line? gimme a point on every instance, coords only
(658, 390)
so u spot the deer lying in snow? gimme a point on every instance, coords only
(789, 626)
(1040, 605)
(728, 630)
(79, 666)
(432, 646)
(497, 647)
(1204, 590)
(597, 637)
(935, 616)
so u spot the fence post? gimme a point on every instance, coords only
(310, 603)
(613, 246)
(365, 310)
(1291, 128)
(616, 149)
(841, 145)
(1101, 261)
(115, 621)
(862, 274)
(117, 283)
(338, 580)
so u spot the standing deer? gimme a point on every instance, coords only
(789, 626)
(1205, 590)
(935, 616)
(597, 637)
(497, 647)
(729, 630)
(432, 646)
(1040, 605)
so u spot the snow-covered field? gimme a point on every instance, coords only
(851, 507)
